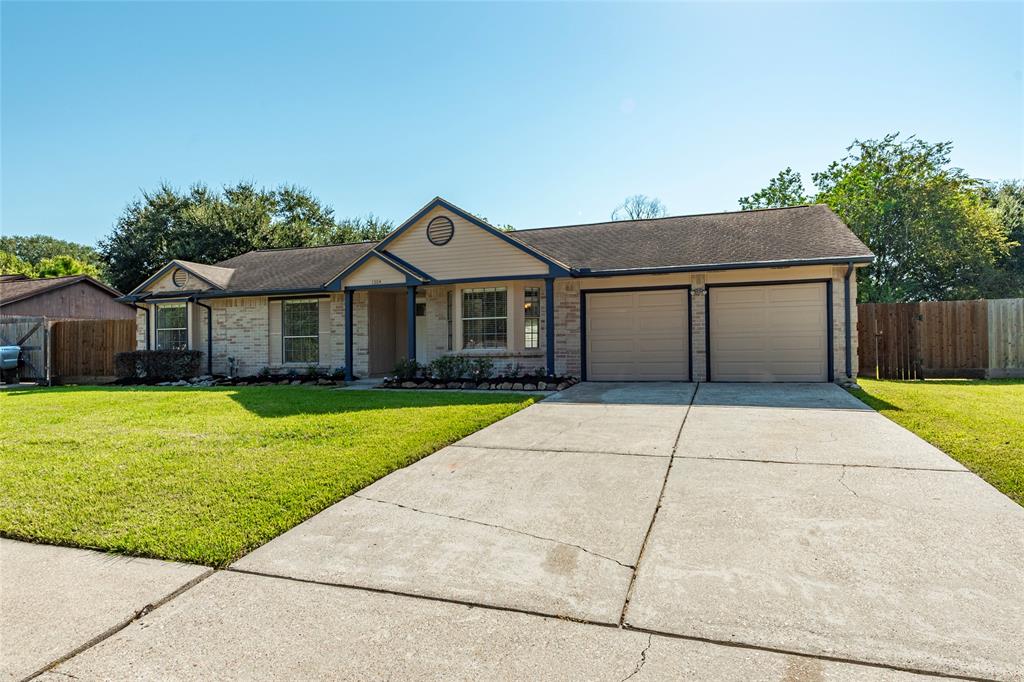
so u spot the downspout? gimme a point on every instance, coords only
(209, 334)
(144, 309)
(849, 332)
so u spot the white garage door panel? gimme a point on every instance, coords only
(769, 333)
(637, 335)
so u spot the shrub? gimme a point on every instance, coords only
(338, 372)
(312, 370)
(406, 369)
(481, 368)
(158, 365)
(448, 368)
(264, 373)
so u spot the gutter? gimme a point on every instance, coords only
(209, 334)
(587, 272)
(144, 309)
(848, 312)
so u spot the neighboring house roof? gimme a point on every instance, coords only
(14, 289)
(744, 238)
(801, 234)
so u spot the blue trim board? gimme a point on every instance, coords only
(668, 287)
(410, 322)
(549, 322)
(843, 260)
(830, 360)
(407, 265)
(348, 335)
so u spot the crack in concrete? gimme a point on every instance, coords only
(843, 483)
(494, 525)
(643, 659)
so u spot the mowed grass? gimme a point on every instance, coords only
(978, 423)
(206, 475)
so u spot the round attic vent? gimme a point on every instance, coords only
(440, 230)
(180, 278)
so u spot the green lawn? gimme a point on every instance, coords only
(206, 475)
(978, 423)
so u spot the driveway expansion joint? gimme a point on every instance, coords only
(853, 465)
(492, 525)
(470, 446)
(110, 632)
(654, 516)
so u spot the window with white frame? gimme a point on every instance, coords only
(531, 317)
(484, 318)
(300, 329)
(172, 326)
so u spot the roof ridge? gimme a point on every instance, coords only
(301, 248)
(668, 217)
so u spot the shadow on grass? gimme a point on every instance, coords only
(287, 401)
(874, 402)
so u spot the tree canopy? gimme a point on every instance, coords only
(936, 232)
(639, 207)
(207, 226)
(785, 189)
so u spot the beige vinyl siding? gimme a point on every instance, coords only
(472, 252)
(274, 332)
(165, 283)
(375, 271)
(769, 333)
(637, 336)
(325, 332)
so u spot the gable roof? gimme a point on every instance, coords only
(743, 239)
(14, 289)
(811, 234)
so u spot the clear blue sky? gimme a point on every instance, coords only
(530, 114)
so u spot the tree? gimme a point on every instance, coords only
(11, 264)
(1007, 198)
(785, 189)
(62, 266)
(206, 226)
(639, 207)
(36, 247)
(933, 235)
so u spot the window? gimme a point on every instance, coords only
(300, 328)
(172, 326)
(484, 318)
(451, 297)
(531, 317)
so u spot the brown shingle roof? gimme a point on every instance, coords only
(745, 237)
(18, 289)
(286, 269)
(742, 239)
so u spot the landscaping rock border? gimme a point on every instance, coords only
(496, 384)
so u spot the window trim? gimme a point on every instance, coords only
(462, 320)
(285, 337)
(157, 328)
(534, 316)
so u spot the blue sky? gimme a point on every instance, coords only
(529, 114)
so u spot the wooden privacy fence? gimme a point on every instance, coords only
(86, 348)
(973, 339)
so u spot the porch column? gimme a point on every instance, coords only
(410, 318)
(348, 335)
(549, 321)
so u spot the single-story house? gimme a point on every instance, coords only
(765, 295)
(75, 297)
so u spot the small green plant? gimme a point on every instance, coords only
(338, 372)
(481, 368)
(264, 373)
(448, 368)
(514, 370)
(312, 370)
(406, 369)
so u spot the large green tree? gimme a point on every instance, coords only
(33, 249)
(1007, 198)
(62, 266)
(207, 226)
(936, 232)
(785, 189)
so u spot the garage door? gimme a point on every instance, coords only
(638, 336)
(768, 333)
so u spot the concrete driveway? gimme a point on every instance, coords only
(651, 531)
